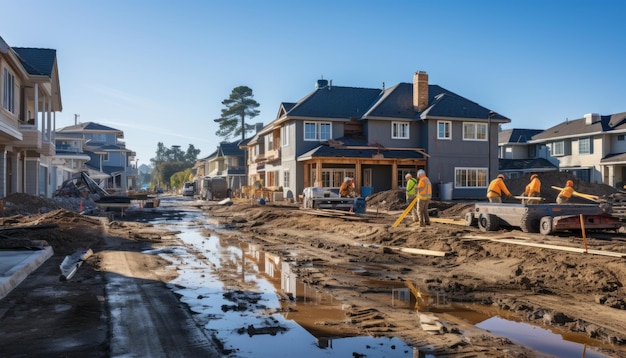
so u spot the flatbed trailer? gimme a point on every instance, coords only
(543, 218)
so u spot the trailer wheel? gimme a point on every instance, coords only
(545, 225)
(471, 220)
(530, 223)
(488, 222)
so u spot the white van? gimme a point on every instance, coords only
(189, 188)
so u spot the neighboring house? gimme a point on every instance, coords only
(377, 136)
(30, 96)
(592, 148)
(227, 161)
(70, 157)
(110, 161)
(517, 157)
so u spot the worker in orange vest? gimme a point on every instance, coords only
(566, 193)
(496, 189)
(533, 190)
(424, 195)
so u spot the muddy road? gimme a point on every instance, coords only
(193, 278)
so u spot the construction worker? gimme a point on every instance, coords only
(347, 189)
(496, 189)
(566, 193)
(424, 194)
(411, 183)
(533, 190)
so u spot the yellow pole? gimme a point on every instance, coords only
(405, 212)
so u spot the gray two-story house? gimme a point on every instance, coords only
(110, 161)
(377, 135)
(30, 97)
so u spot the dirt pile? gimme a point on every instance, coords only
(26, 204)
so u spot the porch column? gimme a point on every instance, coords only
(358, 180)
(49, 120)
(394, 175)
(306, 172)
(318, 173)
(36, 114)
(3, 173)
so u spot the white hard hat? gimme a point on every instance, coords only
(408, 175)
(421, 172)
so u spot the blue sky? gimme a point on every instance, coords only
(159, 70)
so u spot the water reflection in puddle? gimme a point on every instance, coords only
(275, 314)
(538, 339)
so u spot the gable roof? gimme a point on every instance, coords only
(335, 102)
(580, 127)
(394, 102)
(517, 135)
(231, 149)
(37, 61)
(89, 127)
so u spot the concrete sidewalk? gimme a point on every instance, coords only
(16, 265)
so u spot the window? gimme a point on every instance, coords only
(584, 146)
(558, 148)
(402, 173)
(444, 130)
(399, 130)
(286, 178)
(333, 178)
(620, 137)
(470, 177)
(317, 131)
(284, 136)
(8, 98)
(105, 157)
(532, 151)
(474, 131)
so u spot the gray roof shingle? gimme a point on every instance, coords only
(37, 61)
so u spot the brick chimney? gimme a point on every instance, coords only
(420, 91)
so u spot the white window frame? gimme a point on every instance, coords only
(284, 137)
(586, 149)
(474, 134)
(8, 93)
(286, 178)
(558, 145)
(447, 129)
(470, 178)
(400, 130)
(319, 130)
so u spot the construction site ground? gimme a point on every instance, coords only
(359, 260)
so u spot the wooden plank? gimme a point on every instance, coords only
(550, 247)
(581, 195)
(448, 221)
(410, 250)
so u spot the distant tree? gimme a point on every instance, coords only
(239, 105)
(179, 178)
(171, 160)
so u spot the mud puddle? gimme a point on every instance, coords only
(253, 305)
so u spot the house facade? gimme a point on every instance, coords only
(110, 162)
(517, 156)
(376, 136)
(592, 148)
(30, 96)
(226, 161)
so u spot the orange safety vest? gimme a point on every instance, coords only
(424, 189)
